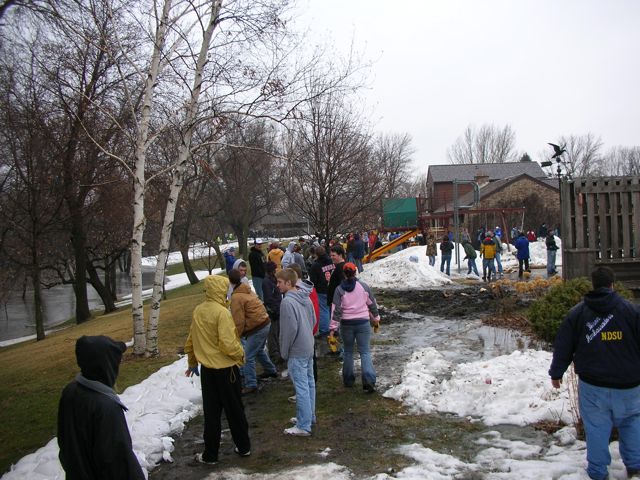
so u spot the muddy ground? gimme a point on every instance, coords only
(360, 430)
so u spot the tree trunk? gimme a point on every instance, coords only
(219, 257)
(37, 297)
(110, 278)
(184, 153)
(103, 291)
(191, 275)
(78, 240)
(139, 184)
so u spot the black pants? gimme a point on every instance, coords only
(522, 262)
(221, 390)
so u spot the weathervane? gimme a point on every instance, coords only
(558, 151)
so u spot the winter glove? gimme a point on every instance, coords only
(192, 371)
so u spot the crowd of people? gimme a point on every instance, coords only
(278, 327)
(303, 295)
(490, 246)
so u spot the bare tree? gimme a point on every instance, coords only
(621, 161)
(487, 144)
(393, 155)
(583, 157)
(330, 174)
(244, 183)
(31, 198)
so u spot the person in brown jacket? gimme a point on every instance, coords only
(253, 325)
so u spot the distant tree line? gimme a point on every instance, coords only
(584, 153)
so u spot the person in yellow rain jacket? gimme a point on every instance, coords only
(214, 344)
(488, 254)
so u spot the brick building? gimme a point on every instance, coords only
(440, 178)
(539, 196)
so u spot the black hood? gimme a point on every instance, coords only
(602, 300)
(99, 358)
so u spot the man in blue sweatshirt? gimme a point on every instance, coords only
(601, 336)
(297, 318)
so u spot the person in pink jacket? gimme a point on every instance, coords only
(355, 309)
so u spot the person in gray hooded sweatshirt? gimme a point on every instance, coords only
(93, 436)
(297, 318)
(288, 257)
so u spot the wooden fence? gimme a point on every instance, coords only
(601, 226)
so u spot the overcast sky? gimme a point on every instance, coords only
(546, 67)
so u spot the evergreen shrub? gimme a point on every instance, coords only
(546, 314)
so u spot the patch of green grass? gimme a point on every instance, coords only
(33, 374)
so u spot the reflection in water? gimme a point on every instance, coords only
(457, 340)
(17, 317)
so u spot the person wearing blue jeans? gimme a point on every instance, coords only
(297, 318)
(301, 373)
(354, 308)
(601, 337)
(601, 409)
(254, 350)
(253, 325)
(351, 335)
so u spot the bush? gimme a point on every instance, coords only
(546, 314)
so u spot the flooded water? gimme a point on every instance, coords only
(17, 317)
(458, 340)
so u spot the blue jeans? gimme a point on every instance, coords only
(487, 264)
(301, 374)
(358, 262)
(432, 260)
(254, 348)
(499, 262)
(325, 315)
(601, 409)
(360, 334)
(445, 259)
(551, 262)
(257, 284)
(472, 266)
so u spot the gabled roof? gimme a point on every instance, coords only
(490, 188)
(495, 171)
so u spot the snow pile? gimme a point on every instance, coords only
(510, 389)
(400, 272)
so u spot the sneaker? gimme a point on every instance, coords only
(292, 399)
(296, 432)
(265, 375)
(237, 452)
(293, 420)
(368, 388)
(248, 390)
(199, 458)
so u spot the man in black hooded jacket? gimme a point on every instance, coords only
(93, 435)
(601, 336)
